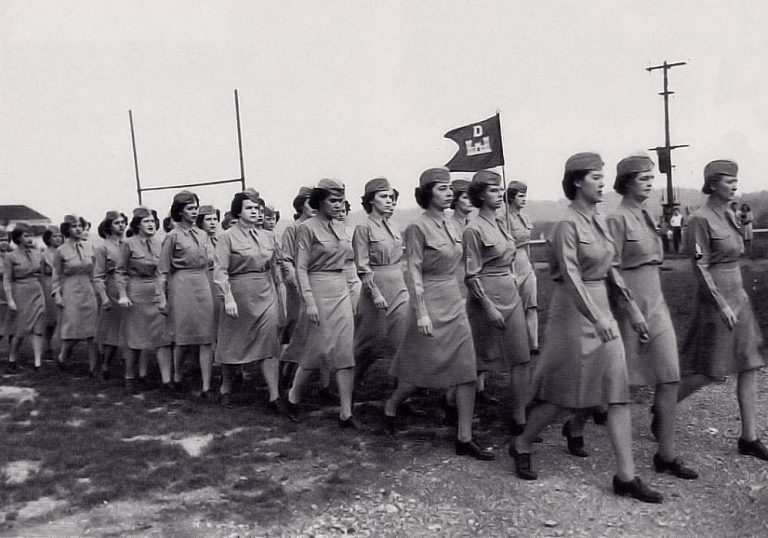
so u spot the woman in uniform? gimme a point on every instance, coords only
(494, 307)
(52, 239)
(208, 221)
(73, 292)
(383, 308)
(517, 198)
(106, 257)
(322, 250)
(184, 268)
(437, 350)
(24, 294)
(582, 365)
(724, 337)
(293, 333)
(142, 298)
(244, 262)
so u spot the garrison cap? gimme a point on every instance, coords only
(185, 197)
(434, 175)
(634, 164)
(459, 185)
(517, 186)
(377, 185)
(584, 161)
(334, 186)
(720, 167)
(206, 210)
(485, 177)
(142, 212)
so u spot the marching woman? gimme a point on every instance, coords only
(73, 292)
(652, 360)
(208, 221)
(52, 239)
(437, 350)
(462, 212)
(350, 271)
(293, 333)
(6, 330)
(244, 262)
(517, 198)
(494, 307)
(184, 268)
(383, 308)
(142, 298)
(582, 364)
(322, 250)
(106, 257)
(724, 337)
(24, 293)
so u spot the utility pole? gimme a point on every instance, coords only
(665, 152)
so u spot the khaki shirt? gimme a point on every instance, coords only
(375, 244)
(321, 245)
(71, 258)
(106, 257)
(489, 248)
(634, 235)
(185, 248)
(139, 258)
(242, 250)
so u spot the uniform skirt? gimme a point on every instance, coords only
(51, 312)
(330, 343)
(526, 279)
(143, 323)
(499, 349)
(711, 348)
(576, 369)
(218, 304)
(190, 308)
(252, 336)
(293, 311)
(655, 361)
(30, 307)
(354, 285)
(5, 328)
(378, 333)
(446, 358)
(110, 324)
(78, 316)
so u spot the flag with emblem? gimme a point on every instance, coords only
(480, 146)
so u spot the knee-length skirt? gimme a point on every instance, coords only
(30, 307)
(79, 314)
(252, 336)
(6, 328)
(293, 312)
(379, 333)
(143, 323)
(711, 348)
(354, 285)
(496, 349)
(526, 279)
(190, 308)
(655, 361)
(330, 344)
(218, 305)
(110, 323)
(51, 312)
(446, 358)
(576, 369)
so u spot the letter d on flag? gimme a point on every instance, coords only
(480, 146)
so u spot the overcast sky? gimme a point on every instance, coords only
(360, 89)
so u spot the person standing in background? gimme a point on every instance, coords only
(676, 223)
(745, 219)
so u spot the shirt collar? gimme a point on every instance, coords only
(581, 212)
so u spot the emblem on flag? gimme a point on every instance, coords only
(480, 146)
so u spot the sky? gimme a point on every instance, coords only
(356, 90)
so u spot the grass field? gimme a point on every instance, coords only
(81, 456)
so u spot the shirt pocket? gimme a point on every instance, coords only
(633, 235)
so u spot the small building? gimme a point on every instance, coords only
(11, 214)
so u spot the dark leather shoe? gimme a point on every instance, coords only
(655, 424)
(575, 444)
(348, 423)
(226, 401)
(636, 489)
(515, 428)
(451, 417)
(471, 448)
(13, 367)
(483, 398)
(280, 407)
(523, 468)
(674, 467)
(407, 409)
(327, 397)
(390, 425)
(600, 417)
(168, 392)
(60, 366)
(753, 448)
(131, 386)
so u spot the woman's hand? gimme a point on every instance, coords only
(12, 305)
(729, 317)
(58, 300)
(162, 305)
(125, 302)
(606, 329)
(425, 325)
(641, 328)
(380, 302)
(230, 307)
(313, 315)
(495, 317)
(106, 304)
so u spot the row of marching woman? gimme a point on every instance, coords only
(450, 300)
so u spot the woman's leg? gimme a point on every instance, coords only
(178, 362)
(521, 381)
(465, 404)
(665, 406)
(690, 384)
(206, 365)
(13, 349)
(270, 369)
(37, 349)
(143, 363)
(226, 378)
(620, 433)
(164, 363)
(106, 363)
(93, 355)
(130, 363)
(66, 350)
(746, 392)
(403, 390)
(345, 380)
(532, 323)
(539, 418)
(299, 379)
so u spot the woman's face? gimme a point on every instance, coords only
(442, 196)
(724, 188)
(147, 226)
(118, 226)
(56, 239)
(640, 187)
(492, 197)
(308, 210)
(383, 203)
(250, 212)
(463, 203)
(5, 245)
(260, 216)
(27, 240)
(519, 200)
(189, 213)
(332, 207)
(269, 221)
(210, 223)
(590, 189)
(76, 230)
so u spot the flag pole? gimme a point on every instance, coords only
(504, 176)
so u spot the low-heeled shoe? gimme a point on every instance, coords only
(676, 467)
(348, 423)
(753, 448)
(636, 489)
(575, 444)
(523, 466)
(472, 448)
